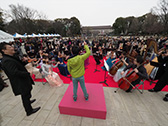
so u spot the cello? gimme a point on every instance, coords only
(115, 67)
(119, 64)
(132, 55)
(125, 82)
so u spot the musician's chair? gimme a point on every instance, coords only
(138, 85)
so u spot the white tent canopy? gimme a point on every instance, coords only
(40, 35)
(5, 37)
(16, 35)
(44, 35)
(25, 35)
(57, 35)
(33, 35)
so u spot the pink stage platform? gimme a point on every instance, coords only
(95, 107)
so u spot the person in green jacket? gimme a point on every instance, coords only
(77, 70)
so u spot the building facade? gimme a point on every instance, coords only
(96, 30)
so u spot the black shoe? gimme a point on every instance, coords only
(165, 99)
(1, 88)
(33, 111)
(74, 98)
(128, 91)
(98, 63)
(151, 90)
(166, 95)
(5, 85)
(31, 101)
(86, 98)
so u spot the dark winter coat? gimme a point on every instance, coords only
(19, 77)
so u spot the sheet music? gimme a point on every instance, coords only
(106, 65)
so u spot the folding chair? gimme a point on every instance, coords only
(43, 77)
(138, 85)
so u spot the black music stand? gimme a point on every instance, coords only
(96, 66)
(106, 69)
(96, 69)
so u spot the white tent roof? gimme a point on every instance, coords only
(48, 35)
(16, 35)
(40, 35)
(57, 35)
(33, 35)
(52, 35)
(25, 35)
(5, 37)
(44, 35)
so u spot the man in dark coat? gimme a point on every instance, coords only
(163, 79)
(20, 79)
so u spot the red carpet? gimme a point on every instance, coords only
(96, 77)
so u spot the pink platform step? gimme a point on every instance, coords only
(95, 107)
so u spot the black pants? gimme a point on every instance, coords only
(97, 59)
(1, 83)
(133, 84)
(26, 101)
(162, 82)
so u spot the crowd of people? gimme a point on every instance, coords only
(69, 56)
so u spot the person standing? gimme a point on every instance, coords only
(162, 74)
(77, 70)
(20, 79)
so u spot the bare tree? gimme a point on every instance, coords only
(1, 20)
(23, 19)
(162, 11)
(134, 26)
(21, 12)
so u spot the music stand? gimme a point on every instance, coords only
(96, 66)
(96, 69)
(106, 69)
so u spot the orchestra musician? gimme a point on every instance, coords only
(30, 50)
(61, 65)
(97, 54)
(163, 78)
(111, 60)
(52, 77)
(127, 47)
(125, 61)
(40, 55)
(139, 69)
(104, 48)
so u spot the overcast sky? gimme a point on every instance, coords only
(89, 12)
